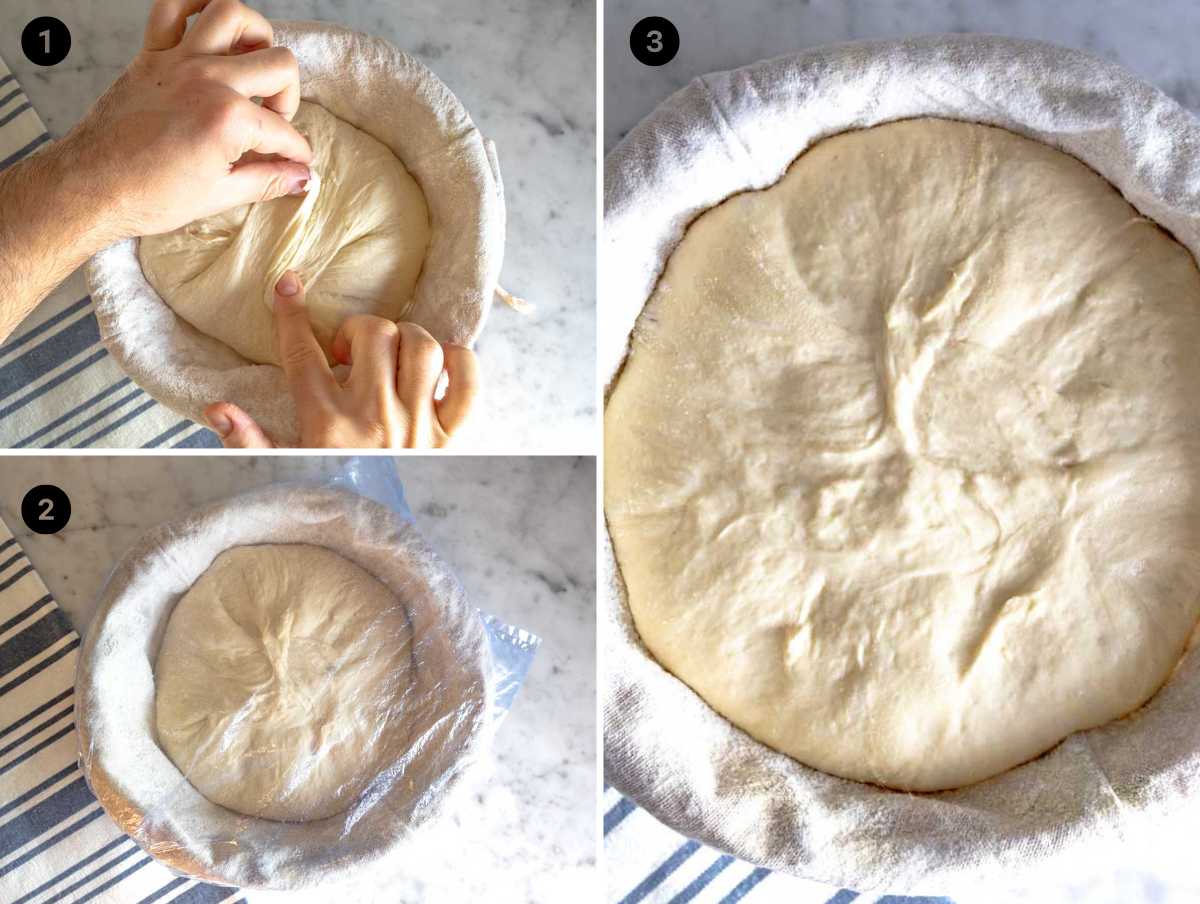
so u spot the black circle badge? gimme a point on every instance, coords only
(46, 41)
(654, 41)
(46, 509)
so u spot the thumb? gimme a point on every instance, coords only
(236, 428)
(264, 180)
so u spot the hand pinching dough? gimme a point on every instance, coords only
(901, 470)
(357, 238)
(281, 682)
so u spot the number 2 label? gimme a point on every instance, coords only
(46, 509)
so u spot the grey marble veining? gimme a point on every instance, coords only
(519, 533)
(1153, 38)
(526, 72)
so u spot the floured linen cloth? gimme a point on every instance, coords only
(730, 132)
(373, 86)
(443, 712)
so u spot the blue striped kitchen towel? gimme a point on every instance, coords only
(58, 384)
(56, 843)
(648, 863)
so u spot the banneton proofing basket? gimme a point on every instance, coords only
(150, 799)
(394, 98)
(735, 131)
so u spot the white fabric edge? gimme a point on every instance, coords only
(143, 791)
(342, 70)
(701, 775)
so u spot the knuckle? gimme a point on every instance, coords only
(274, 187)
(222, 113)
(283, 58)
(422, 349)
(298, 355)
(381, 328)
(417, 339)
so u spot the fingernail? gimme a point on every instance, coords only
(288, 284)
(221, 423)
(300, 185)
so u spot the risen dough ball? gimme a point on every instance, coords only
(902, 470)
(357, 241)
(281, 681)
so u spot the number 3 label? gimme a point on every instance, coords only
(654, 41)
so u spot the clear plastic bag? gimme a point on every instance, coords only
(512, 648)
(280, 688)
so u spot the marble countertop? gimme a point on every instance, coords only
(519, 533)
(526, 73)
(1153, 38)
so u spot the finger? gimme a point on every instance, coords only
(271, 73)
(167, 22)
(370, 345)
(253, 128)
(224, 25)
(418, 368)
(308, 374)
(236, 428)
(264, 180)
(462, 367)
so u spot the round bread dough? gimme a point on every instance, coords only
(281, 682)
(901, 471)
(357, 238)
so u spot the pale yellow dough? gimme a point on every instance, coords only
(358, 242)
(901, 470)
(282, 680)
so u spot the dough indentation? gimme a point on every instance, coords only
(900, 469)
(282, 682)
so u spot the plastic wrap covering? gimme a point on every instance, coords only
(279, 689)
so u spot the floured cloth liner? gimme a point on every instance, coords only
(395, 99)
(442, 703)
(736, 131)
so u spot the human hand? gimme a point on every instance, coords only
(386, 402)
(177, 137)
